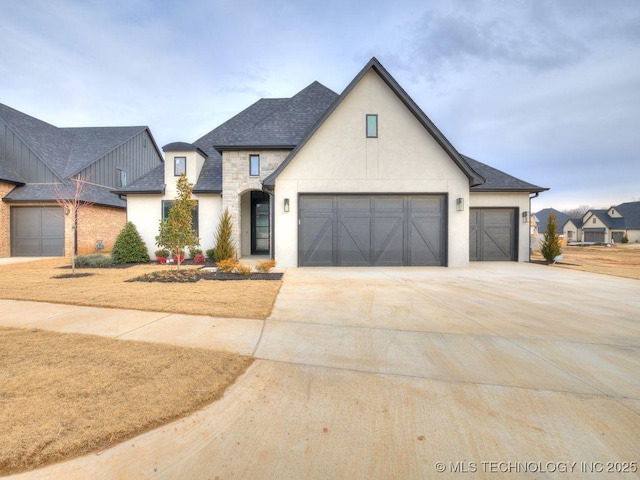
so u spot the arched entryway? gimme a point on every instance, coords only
(256, 223)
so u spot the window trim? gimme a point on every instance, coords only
(366, 125)
(251, 157)
(175, 166)
(165, 205)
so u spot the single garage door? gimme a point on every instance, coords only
(365, 230)
(492, 234)
(37, 232)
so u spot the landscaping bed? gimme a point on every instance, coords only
(192, 276)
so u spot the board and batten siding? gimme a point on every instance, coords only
(137, 156)
(22, 160)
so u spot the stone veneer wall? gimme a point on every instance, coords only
(236, 181)
(5, 219)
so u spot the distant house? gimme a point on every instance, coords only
(358, 178)
(38, 159)
(612, 224)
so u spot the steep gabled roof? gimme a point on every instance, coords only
(8, 175)
(374, 64)
(272, 122)
(498, 181)
(609, 222)
(543, 217)
(630, 212)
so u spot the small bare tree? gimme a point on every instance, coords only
(71, 197)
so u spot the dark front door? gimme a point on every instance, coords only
(260, 225)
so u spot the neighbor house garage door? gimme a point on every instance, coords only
(492, 234)
(377, 230)
(594, 235)
(37, 232)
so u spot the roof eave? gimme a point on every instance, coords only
(221, 148)
(138, 192)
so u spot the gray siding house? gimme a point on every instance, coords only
(37, 161)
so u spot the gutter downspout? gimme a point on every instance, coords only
(535, 195)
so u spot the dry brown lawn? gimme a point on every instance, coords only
(106, 287)
(620, 260)
(64, 395)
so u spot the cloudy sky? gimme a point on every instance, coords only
(546, 90)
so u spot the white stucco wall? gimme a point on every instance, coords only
(145, 210)
(340, 159)
(517, 200)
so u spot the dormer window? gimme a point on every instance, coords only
(180, 166)
(254, 165)
(372, 126)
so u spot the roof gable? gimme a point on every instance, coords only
(498, 181)
(374, 64)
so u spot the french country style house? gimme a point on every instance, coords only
(357, 178)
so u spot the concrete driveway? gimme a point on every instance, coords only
(494, 369)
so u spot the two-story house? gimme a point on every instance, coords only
(358, 178)
(37, 163)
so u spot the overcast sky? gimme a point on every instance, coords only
(545, 90)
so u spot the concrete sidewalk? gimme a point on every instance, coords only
(384, 372)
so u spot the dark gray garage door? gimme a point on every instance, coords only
(594, 235)
(372, 230)
(37, 232)
(492, 234)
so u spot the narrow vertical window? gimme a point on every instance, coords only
(122, 177)
(372, 126)
(180, 166)
(254, 165)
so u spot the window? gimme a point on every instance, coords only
(254, 165)
(180, 166)
(372, 126)
(122, 177)
(166, 205)
(594, 220)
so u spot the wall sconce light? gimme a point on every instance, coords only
(286, 204)
(460, 204)
(525, 216)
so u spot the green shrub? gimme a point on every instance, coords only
(551, 246)
(224, 248)
(211, 253)
(625, 239)
(95, 260)
(129, 247)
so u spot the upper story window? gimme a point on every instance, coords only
(594, 220)
(121, 177)
(180, 166)
(372, 126)
(254, 165)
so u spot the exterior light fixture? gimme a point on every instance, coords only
(286, 204)
(460, 204)
(525, 218)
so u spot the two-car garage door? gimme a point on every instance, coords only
(372, 230)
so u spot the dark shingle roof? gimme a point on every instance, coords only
(210, 179)
(182, 147)
(631, 214)
(543, 218)
(610, 222)
(8, 175)
(47, 192)
(272, 122)
(497, 180)
(152, 182)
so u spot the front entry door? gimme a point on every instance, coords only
(260, 225)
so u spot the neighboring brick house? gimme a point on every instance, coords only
(37, 161)
(360, 178)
